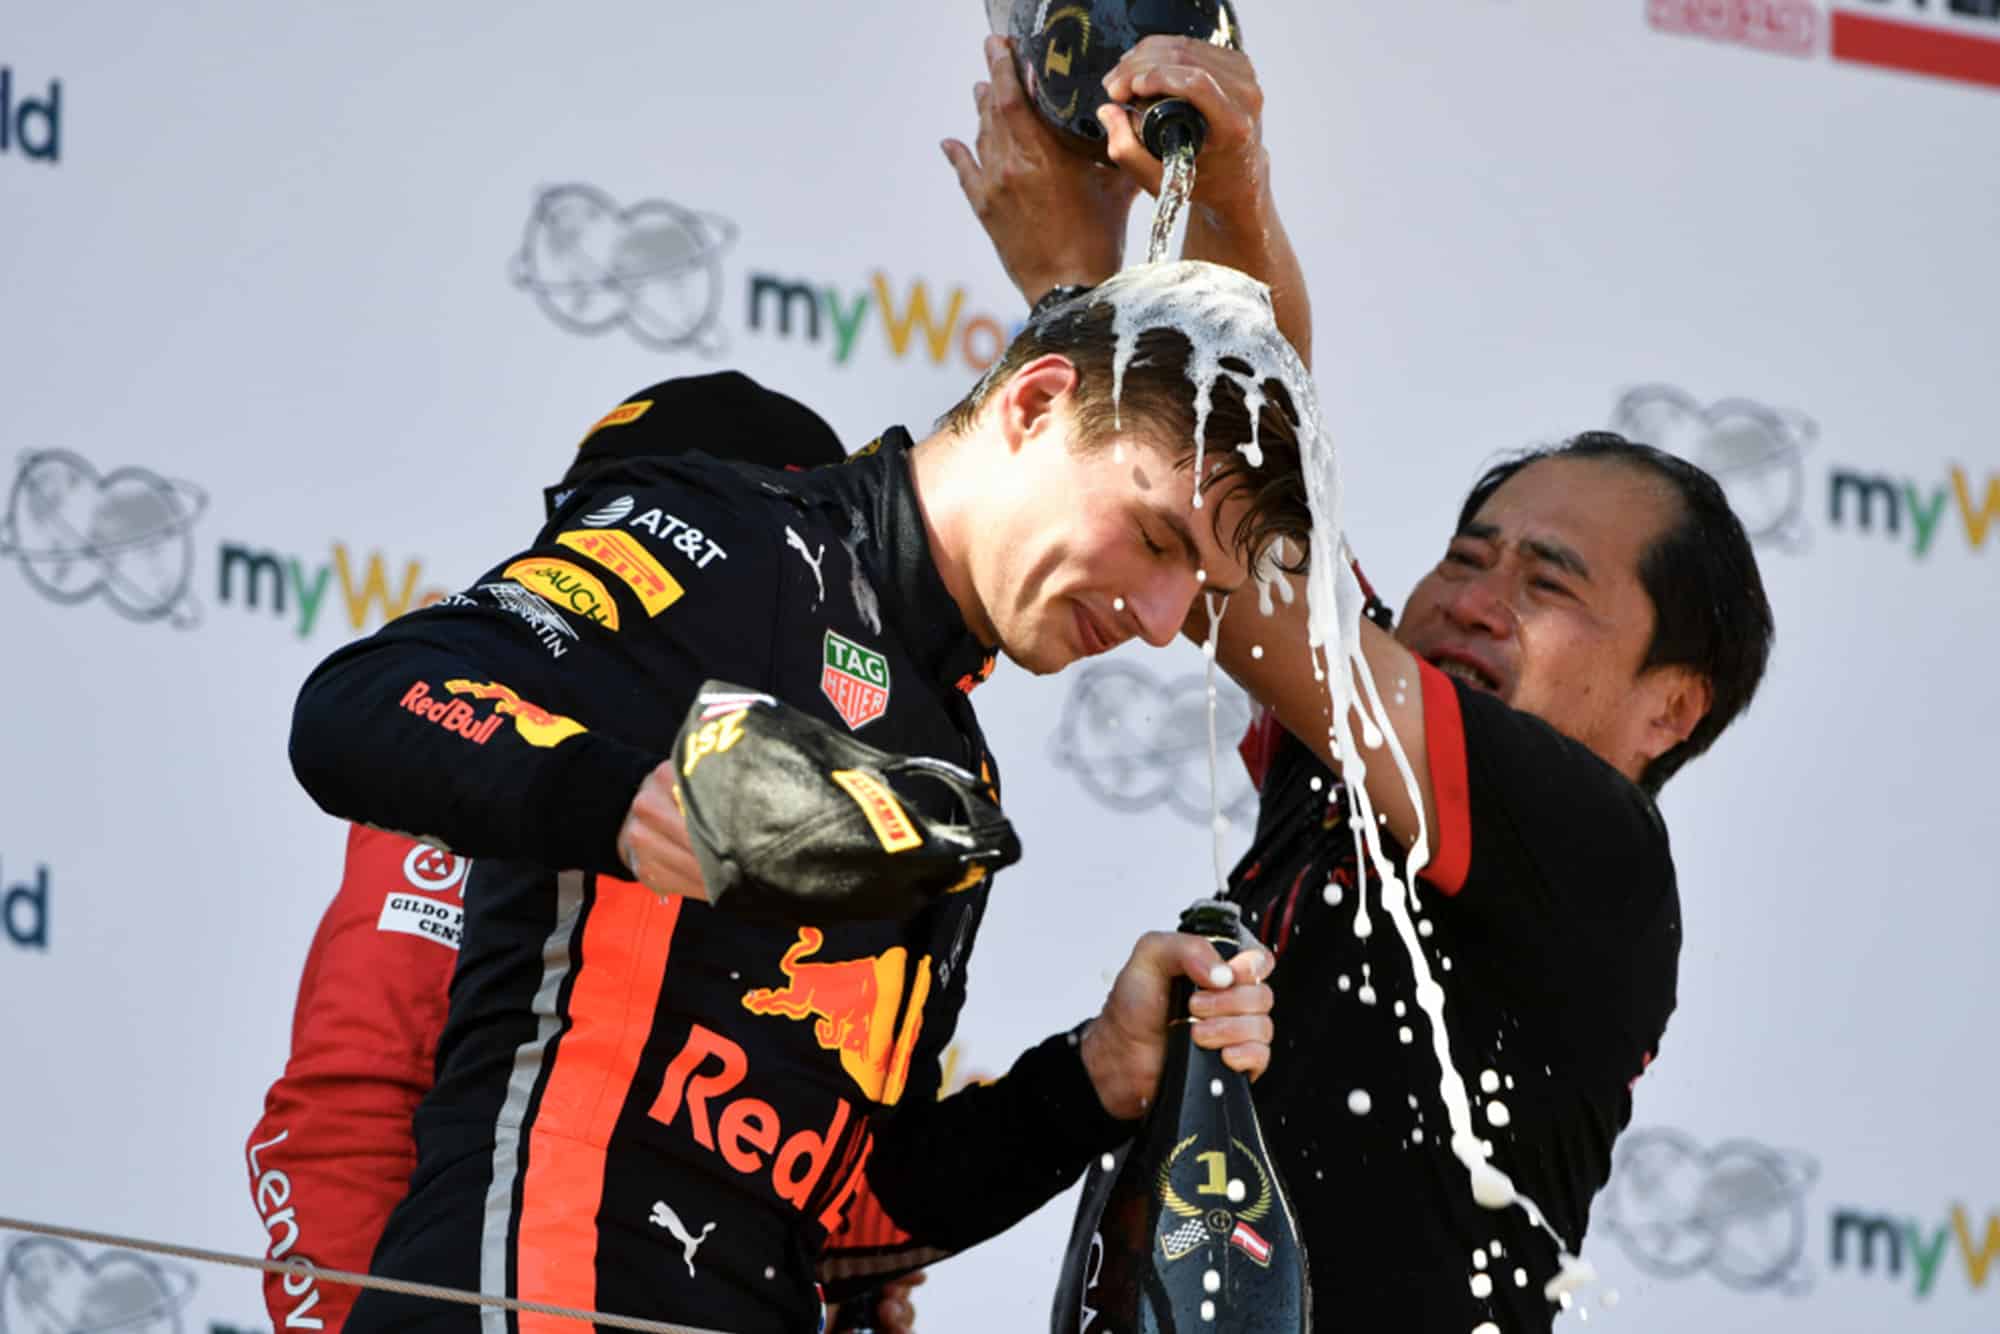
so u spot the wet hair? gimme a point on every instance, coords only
(1709, 610)
(1158, 397)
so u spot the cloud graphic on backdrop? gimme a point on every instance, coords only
(1136, 741)
(1737, 1211)
(48, 1286)
(126, 536)
(654, 268)
(1756, 453)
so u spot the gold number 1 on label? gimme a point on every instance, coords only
(1218, 1171)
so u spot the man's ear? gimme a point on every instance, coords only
(1678, 699)
(1026, 403)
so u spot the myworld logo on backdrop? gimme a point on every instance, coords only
(1944, 39)
(656, 269)
(24, 909)
(1759, 455)
(1740, 1212)
(30, 125)
(126, 537)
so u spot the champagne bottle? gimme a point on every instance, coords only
(1190, 1232)
(1063, 50)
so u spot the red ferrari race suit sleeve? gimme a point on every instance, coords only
(333, 1153)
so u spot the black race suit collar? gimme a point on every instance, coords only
(889, 542)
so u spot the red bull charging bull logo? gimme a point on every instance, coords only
(853, 1003)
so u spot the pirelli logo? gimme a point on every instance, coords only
(624, 556)
(622, 415)
(885, 815)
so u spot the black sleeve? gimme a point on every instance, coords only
(1556, 872)
(950, 1173)
(517, 719)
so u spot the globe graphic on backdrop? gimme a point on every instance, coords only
(1755, 453)
(1736, 1211)
(127, 535)
(50, 1287)
(1135, 742)
(654, 268)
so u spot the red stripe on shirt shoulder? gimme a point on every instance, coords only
(1259, 746)
(1444, 743)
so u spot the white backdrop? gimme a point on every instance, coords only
(296, 273)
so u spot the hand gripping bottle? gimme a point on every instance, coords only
(1064, 48)
(1190, 1231)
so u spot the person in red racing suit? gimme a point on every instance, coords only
(333, 1152)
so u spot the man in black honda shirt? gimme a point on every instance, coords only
(654, 1108)
(1597, 621)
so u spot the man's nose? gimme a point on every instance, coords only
(1161, 608)
(1483, 603)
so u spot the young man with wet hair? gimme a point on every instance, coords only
(1596, 621)
(654, 1108)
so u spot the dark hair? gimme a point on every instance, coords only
(1709, 609)
(1158, 394)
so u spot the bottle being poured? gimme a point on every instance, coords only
(1063, 52)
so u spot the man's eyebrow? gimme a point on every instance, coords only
(1178, 527)
(1558, 555)
(1542, 549)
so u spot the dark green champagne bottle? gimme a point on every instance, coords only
(1190, 1232)
(1064, 48)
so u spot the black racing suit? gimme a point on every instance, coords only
(651, 1107)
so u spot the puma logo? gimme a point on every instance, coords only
(671, 1221)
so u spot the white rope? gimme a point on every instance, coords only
(299, 1265)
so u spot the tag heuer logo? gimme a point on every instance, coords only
(856, 681)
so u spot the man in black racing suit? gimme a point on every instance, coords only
(650, 1107)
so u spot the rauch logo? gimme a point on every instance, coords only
(297, 591)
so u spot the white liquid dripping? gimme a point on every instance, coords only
(1118, 604)
(1208, 1310)
(1482, 1286)
(1573, 1274)
(1108, 1162)
(1520, 1278)
(1216, 608)
(1497, 1113)
(1334, 602)
(1489, 1081)
(1479, 1258)
(1331, 894)
(1404, 1036)
(1401, 1009)
(1486, 1327)
(1223, 313)
(1359, 1102)
(1211, 1281)
(1215, 1088)
(1237, 1191)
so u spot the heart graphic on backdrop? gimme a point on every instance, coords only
(126, 536)
(1757, 453)
(48, 1286)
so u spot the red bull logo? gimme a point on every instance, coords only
(853, 1005)
(537, 726)
(699, 1090)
